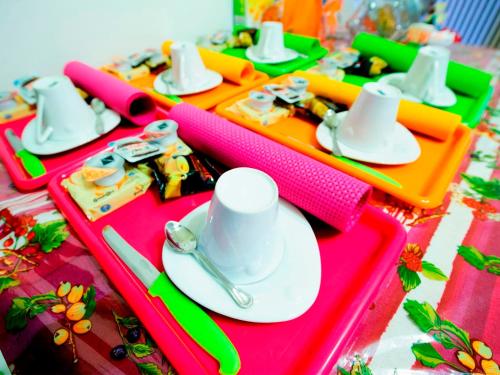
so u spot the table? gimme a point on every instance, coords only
(438, 308)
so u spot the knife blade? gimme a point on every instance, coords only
(30, 162)
(196, 322)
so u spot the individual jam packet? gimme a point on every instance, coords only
(180, 171)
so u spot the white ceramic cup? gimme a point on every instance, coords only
(261, 101)
(271, 42)
(108, 160)
(188, 69)
(370, 122)
(163, 132)
(61, 114)
(426, 78)
(241, 235)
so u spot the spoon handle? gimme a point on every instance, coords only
(242, 298)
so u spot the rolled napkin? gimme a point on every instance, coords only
(418, 117)
(324, 192)
(128, 101)
(233, 69)
(301, 44)
(460, 77)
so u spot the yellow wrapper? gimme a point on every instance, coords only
(264, 118)
(97, 201)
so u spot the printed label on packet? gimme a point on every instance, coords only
(135, 149)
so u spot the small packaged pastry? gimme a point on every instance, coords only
(104, 184)
(180, 171)
(259, 106)
(368, 67)
(317, 106)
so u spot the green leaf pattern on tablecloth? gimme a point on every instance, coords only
(358, 367)
(472, 356)
(23, 244)
(50, 235)
(427, 355)
(66, 303)
(479, 260)
(486, 189)
(138, 351)
(411, 264)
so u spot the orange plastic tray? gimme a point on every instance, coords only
(239, 76)
(422, 183)
(203, 100)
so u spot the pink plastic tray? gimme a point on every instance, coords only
(54, 164)
(354, 265)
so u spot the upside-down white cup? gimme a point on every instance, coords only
(241, 235)
(271, 42)
(369, 125)
(61, 114)
(188, 69)
(426, 78)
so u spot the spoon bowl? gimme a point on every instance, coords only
(182, 240)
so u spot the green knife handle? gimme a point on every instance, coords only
(198, 324)
(31, 163)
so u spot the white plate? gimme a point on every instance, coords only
(289, 55)
(110, 121)
(404, 148)
(447, 98)
(284, 295)
(212, 79)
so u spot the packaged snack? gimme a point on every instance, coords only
(135, 149)
(180, 171)
(247, 110)
(368, 67)
(99, 200)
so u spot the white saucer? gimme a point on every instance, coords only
(110, 120)
(212, 79)
(405, 148)
(284, 295)
(445, 99)
(289, 55)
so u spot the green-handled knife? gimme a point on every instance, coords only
(30, 162)
(196, 322)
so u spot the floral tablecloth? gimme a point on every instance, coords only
(438, 310)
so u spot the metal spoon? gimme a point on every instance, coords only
(98, 107)
(184, 241)
(331, 120)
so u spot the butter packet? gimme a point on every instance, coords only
(97, 201)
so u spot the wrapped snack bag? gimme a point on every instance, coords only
(179, 171)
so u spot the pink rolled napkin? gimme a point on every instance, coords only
(324, 192)
(128, 101)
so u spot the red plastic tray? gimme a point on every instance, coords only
(354, 265)
(54, 164)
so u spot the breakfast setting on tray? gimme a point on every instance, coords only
(225, 187)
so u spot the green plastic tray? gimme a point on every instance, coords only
(471, 86)
(309, 48)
